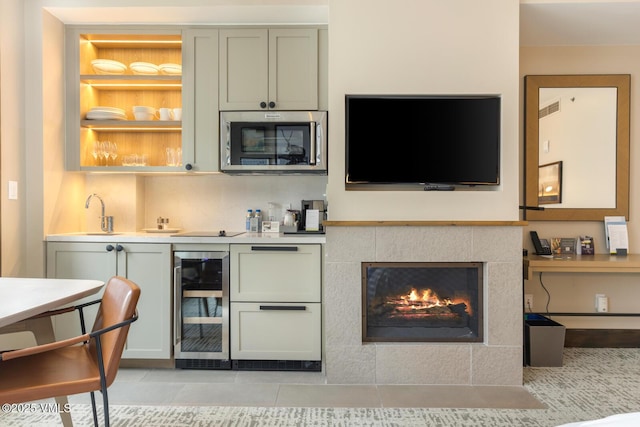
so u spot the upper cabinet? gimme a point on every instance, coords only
(268, 69)
(132, 103)
(147, 99)
(200, 148)
(117, 84)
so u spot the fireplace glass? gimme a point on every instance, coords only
(418, 302)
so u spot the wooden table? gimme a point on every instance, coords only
(21, 298)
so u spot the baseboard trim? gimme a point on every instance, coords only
(602, 338)
(147, 363)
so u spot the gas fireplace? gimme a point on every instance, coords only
(418, 302)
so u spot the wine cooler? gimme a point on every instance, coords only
(201, 310)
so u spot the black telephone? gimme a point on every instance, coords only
(542, 247)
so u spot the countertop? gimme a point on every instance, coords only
(145, 237)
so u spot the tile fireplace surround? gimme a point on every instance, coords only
(496, 361)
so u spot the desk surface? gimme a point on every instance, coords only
(22, 298)
(601, 263)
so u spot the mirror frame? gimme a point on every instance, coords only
(533, 84)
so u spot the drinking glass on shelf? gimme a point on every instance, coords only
(173, 156)
(113, 151)
(96, 152)
(104, 152)
(140, 160)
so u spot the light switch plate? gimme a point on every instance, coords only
(13, 190)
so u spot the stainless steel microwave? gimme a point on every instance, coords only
(273, 141)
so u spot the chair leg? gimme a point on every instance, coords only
(105, 403)
(65, 417)
(93, 407)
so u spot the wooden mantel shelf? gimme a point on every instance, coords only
(425, 223)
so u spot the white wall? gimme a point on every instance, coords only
(12, 129)
(424, 47)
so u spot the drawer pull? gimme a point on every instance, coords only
(275, 248)
(283, 307)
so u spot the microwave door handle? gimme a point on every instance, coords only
(313, 143)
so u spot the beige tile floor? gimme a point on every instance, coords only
(294, 389)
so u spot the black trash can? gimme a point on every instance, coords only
(543, 340)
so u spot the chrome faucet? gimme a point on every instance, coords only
(106, 222)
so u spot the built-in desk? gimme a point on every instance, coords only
(582, 264)
(601, 263)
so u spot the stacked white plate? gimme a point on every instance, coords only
(106, 113)
(145, 68)
(170, 69)
(108, 66)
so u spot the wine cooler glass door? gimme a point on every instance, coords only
(201, 284)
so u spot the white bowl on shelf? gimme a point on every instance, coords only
(144, 108)
(108, 66)
(170, 69)
(144, 68)
(141, 115)
(142, 112)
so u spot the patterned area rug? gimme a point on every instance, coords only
(591, 384)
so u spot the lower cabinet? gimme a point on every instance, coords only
(275, 302)
(275, 331)
(148, 265)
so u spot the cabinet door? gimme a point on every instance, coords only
(200, 100)
(244, 69)
(149, 266)
(278, 273)
(273, 69)
(91, 261)
(277, 331)
(293, 69)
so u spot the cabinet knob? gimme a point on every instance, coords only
(110, 248)
(272, 104)
(188, 166)
(119, 248)
(263, 104)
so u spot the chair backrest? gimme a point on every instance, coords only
(118, 304)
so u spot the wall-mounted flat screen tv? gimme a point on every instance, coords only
(435, 141)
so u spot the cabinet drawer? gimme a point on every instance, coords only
(280, 273)
(275, 331)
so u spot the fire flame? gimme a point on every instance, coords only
(428, 298)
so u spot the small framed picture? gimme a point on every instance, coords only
(550, 183)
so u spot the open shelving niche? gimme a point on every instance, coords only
(152, 137)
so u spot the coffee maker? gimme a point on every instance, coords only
(313, 205)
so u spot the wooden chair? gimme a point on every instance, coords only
(62, 368)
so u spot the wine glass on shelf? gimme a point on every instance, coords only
(113, 151)
(95, 152)
(105, 152)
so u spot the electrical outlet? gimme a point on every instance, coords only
(528, 302)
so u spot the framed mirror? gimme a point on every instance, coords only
(580, 122)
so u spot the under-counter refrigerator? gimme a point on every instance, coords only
(201, 310)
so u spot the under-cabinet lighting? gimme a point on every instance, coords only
(136, 128)
(134, 42)
(136, 85)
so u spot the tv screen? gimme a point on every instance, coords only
(421, 139)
